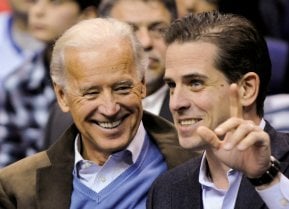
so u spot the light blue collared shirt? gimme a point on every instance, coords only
(98, 177)
(218, 198)
(276, 197)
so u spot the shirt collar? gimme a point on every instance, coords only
(134, 147)
(262, 124)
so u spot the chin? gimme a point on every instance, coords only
(191, 143)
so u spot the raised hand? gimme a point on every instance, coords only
(238, 143)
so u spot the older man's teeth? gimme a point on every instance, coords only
(188, 122)
(109, 124)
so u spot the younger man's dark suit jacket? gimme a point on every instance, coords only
(180, 187)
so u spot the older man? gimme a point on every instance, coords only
(149, 19)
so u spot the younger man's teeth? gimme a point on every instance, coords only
(188, 122)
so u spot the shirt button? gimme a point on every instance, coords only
(102, 179)
(86, 165)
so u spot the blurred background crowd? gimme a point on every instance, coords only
(26, 93)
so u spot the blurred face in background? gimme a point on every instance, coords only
(194, 6)
(149, 19)
(49, 19)
(20, 7)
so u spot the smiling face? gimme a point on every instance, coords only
(148, 19)
(103, 93)
(199, 92)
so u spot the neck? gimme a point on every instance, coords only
(89, 152)
(217, 171)
(97, 157)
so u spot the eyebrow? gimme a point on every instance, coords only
(149, 25)
(123, 82)
(190, 76)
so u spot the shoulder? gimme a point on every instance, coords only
(4, 17)
(179, 174)
(174, 183)
(23, 170)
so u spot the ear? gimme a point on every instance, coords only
(249, 89)
(61, 97)
(88, 13)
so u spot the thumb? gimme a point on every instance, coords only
(209, 136)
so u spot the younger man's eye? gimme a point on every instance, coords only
(196, 84)
(171, 84)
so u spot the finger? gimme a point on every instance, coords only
(239, 134)
(257, 138)
(229, 125)
(209, 136)
(235, 104)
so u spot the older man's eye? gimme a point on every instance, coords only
(90, 94)
(123, 89)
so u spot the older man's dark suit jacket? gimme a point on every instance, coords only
(59, 121)
(44, 181)
(180, 187)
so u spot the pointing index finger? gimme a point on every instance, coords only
(235, 105)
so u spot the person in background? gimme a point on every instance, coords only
(27, 92)
(149, 19)
(185, 7)
(114, 150)
(17, 49)
(218, 69)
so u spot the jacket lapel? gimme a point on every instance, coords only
(184, 196)
(54, 182)
(54, 187)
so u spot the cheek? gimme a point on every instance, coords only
(161, 47)
(132, 102)
(211, 101)
(80, 105)
(220, 106)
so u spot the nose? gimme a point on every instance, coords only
(108, 105)
(145, 38)
(179, 100)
